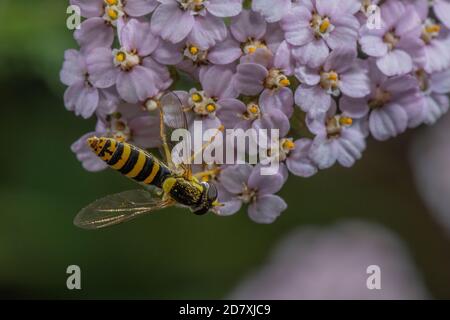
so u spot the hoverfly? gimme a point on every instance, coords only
(167, 184)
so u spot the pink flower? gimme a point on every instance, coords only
(199, 20)
(244, 184)
(216, 92)
(341, 73)
(131, 68)
(293, 155)
(351, 78)
(397, 45)
(193, 58)
(267, 76)
(393, 104)
(316, 26)
(436, 39)
(435, 88)
(102, 15)
(81, 96)
(252, 33)
(338, 139)
(248, 33)
(235, 114)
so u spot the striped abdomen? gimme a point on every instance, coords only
(129, 160)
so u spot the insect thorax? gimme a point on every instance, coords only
(188, 193)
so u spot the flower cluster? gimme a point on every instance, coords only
(316, 70)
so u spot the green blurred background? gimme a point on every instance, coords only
(170, 254)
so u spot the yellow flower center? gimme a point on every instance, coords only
(252, 112)
(125, 60)
(330, 81)
(324, 25)
(113, 11)
(196, 55)
(211, 107)
(332, 76)
(335, 124)
(284, 82)
(193, 50)
(281, 151)
(288, 144)
(434, 28)
(121, 56)
(253, 109)
(252, 45)
(276, 79)
(201, 104)
(430, 30)
(196, 97)
(321, 26)
(113, 14)
(345, 121)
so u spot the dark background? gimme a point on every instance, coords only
(171, 254)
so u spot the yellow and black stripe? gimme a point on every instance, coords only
(131, 161)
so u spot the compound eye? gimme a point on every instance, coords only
(212, 192)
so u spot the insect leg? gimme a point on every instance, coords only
(165, 145)
(206, 144)
(206, 174)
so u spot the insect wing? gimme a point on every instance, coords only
(173, 113)
(173, 117)
(120, 207)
